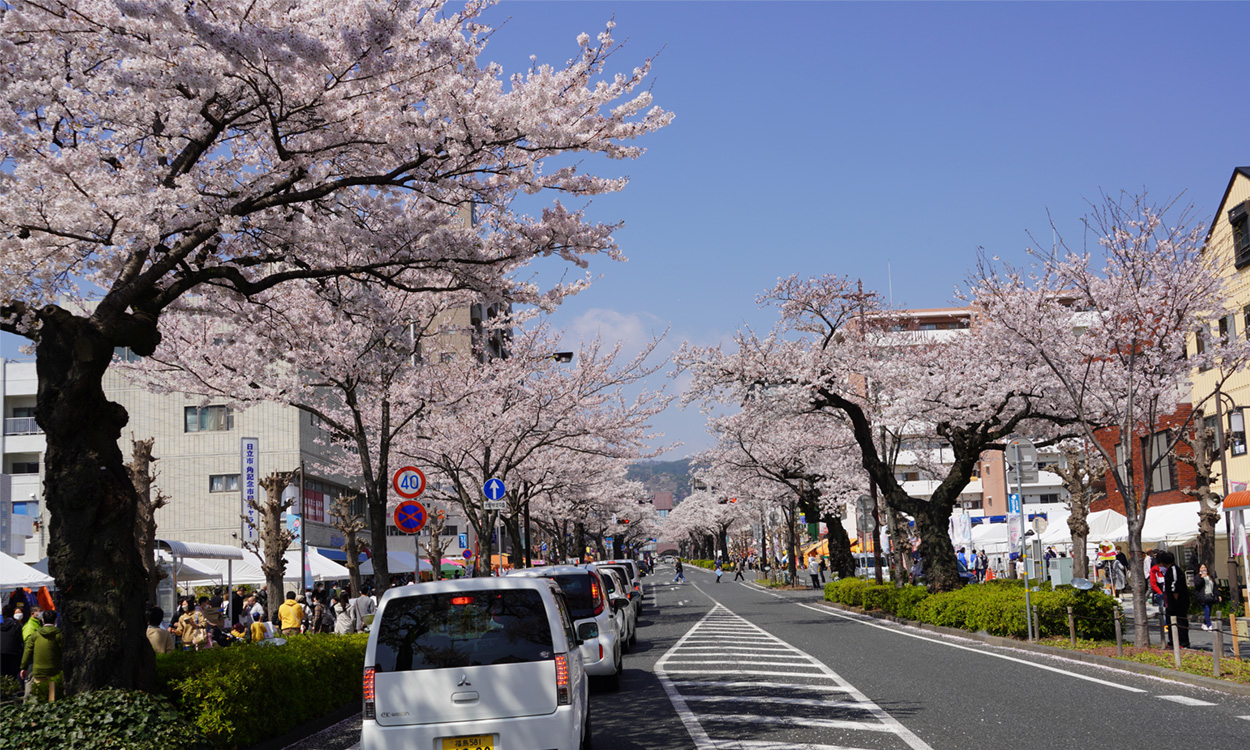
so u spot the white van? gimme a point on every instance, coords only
(479, 663)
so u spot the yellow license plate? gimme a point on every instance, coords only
(480, 742)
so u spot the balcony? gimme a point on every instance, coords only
(21, 426)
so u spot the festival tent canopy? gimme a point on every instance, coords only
(990, 537)
(1104, 525)
(397, 561)
(16, 574)
(1171, 525)
(249, 571)
(188, 571)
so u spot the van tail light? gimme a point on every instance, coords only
(563, 695)
(596, 593)
(369, 693)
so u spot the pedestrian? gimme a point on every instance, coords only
(255, 609)
(344, 621)
(161, 639)
(983, 566)
(1155, 574)
(11, 644)
(680, 576)
(718, 571)
(813, 570)
(823, 567)
(742, 563)
(963, 557)
(291, 615)
(41, 658)
(237, 597)
(1208, 595)
(1176, 597)
(972, 562)
(363, 609)
(192, 627)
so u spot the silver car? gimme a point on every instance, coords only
(479, 663)
(594, 618)
(627, 618)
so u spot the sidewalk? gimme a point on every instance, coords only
(1199, 639)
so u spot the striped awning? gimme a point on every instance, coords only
(1237, 500)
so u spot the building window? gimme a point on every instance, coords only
(209, 418)
(1163, 476)
(1239, 220)
(1228, 328)
(1237, 432)
(223, 483)
(25, 467)
(1049, 497)
(124, 354)
(1211, 424)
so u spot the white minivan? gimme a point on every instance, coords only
(475, 663)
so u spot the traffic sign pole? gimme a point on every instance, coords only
(1028, 609)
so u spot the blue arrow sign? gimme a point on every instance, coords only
(493, 489)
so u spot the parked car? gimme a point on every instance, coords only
(617, 589)
(475, 663)
(633, 576)
(594, 619)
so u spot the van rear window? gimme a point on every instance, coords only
(463, 629)
(577, 593)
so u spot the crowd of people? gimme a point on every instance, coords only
(31, 643)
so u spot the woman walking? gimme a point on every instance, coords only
(344, 620)
(1208, 596)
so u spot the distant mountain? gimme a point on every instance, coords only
(663, 476)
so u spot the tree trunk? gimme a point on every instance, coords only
(274, 539)
(516, 555)
(140, 468)
(900, 548)
(93, 509)
(1141, 623)
(1208, 517)
(376, 498)
(792, 543)
(941, 567)
(841, 559)
(1079, 528)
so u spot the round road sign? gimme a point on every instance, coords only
(410, 516)
(409, 482)
(468, 554)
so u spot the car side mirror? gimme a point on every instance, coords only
(619, 603)
(587, 630)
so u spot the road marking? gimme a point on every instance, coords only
(1004, 657)
(1185, 700)
(1247, 718)
(807, 670)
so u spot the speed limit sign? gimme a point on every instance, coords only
(409, 482)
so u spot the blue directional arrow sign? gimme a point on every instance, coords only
(493, 489)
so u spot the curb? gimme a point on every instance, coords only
(309, 728)
(1210, 683)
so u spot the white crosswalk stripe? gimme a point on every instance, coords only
(724, 666)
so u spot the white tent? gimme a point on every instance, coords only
(398, 561)
(1104, 525)
(1172, 525)
(990, 537)
(248, 571)
(189, 572)
(16, 574)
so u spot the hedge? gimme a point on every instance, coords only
(100, 720)
(242, 695)
(996, 608)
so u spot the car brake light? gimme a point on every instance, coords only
(596, 594)
(563, 696)
(369, 693)
(460, 601)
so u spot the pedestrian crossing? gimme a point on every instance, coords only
(738, 687)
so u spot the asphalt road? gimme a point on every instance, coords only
(730, 665)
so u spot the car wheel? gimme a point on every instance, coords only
(625, 643)
(613, 684)
(633, 639)
(588, 742)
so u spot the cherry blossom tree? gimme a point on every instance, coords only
(1083, 472)
(1111, 324)
(508, 418)
(156, 151)
(837, 350)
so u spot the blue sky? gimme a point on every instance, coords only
(849, 138)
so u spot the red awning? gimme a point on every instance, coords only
(1237, 500)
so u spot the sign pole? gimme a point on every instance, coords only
(1023, 540)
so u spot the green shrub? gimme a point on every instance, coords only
(100, 720)
(849, 591)
(245, 694)
(879, 596)
(907, 601)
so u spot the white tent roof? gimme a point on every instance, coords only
(1172, 525)
(16, 574)
(1104, 525)
(990, 537)
(248, 570)
(397, 561)
(190, 572)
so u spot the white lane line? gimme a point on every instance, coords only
(802, 721)
(1184, 700)
(766, 745)
(1247, 718)
(757, 662)
(808, 675)
(815, 702)
(762, 650)
(740, 683)
(1004, 657)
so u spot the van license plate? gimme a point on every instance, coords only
(480, 742)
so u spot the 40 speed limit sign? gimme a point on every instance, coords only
(409, 482)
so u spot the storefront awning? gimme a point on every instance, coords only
(1237, 500)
